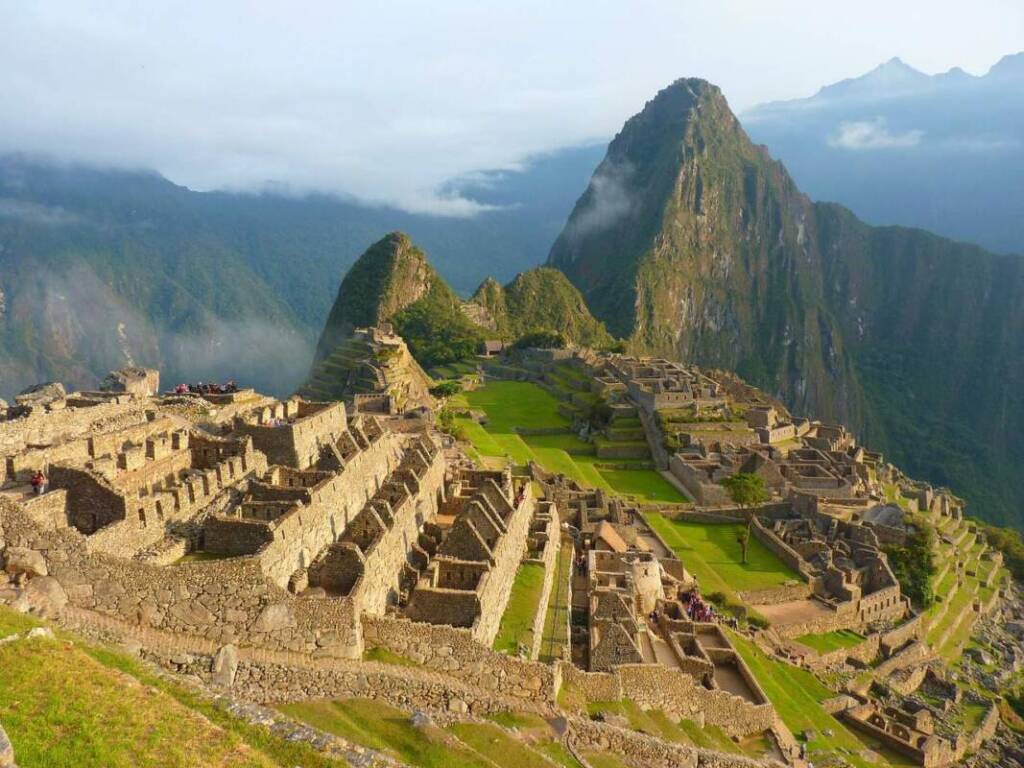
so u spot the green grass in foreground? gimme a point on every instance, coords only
(517, 621)
(378, 726)
(712, 554)
(657, 723)
(512, 405)
(796, 695)
(827, 642)
(69, 704)
(385, 729)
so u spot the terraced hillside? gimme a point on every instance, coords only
(361, 364)
(525, 422)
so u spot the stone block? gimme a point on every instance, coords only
(18, 560)
(225, 666)
(46, 595)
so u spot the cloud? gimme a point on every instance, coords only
(607, 200)
(872, 134)
(34, 213)
(386, 101)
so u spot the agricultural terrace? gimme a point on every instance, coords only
(517, 621)
(826, 642)
(510, 741)
(797, 696)
(517, 411)
(712, 553)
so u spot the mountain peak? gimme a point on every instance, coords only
(389, 276)
(1011, 65)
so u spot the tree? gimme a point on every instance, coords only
(746, 490)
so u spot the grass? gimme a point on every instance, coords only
(71, 704)
(556, 622)
(385, 729)
(517, 621)
(712, 554)
(388, 730)
(827, 642)
(515, 405)
(657, 723)
(796, 695)
(498, 745)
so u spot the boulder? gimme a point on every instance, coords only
(225, 666)
(6, 750)
(274, 617)
(18, 560)
(41, 394)
(143, 382)
(46, 595)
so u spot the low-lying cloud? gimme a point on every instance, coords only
(33, 213)
(608, 199)
(859, 135)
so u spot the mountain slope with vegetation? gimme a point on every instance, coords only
(538, 300)
(394, 282)
(696, 244)
(102, 267)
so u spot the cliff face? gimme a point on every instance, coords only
(694, 243)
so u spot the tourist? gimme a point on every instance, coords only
(39, 483)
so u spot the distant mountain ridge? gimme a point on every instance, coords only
(943, 152)
(695, 244)
(103, 267)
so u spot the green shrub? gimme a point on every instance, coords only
(541, 340)
(446, 388)
(913, 563)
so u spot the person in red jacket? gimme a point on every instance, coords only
(39, 483)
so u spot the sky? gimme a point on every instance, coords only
(384, 101)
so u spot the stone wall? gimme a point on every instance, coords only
(226, 601)
(549, 559)
(642, 749)
(455, 652)
(652, 686)
(384, 561)
(301, 534)
(496, 586)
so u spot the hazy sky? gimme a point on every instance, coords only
(385, 100)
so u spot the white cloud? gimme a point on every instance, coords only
(33, 213)
(872, 134)
(387, 101)
(609, 199)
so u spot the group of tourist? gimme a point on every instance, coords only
(696, 608)
(226, 388)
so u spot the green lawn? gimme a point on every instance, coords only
(517, 621)
(827, 642)
(713, 555)
(512, 405)
(796, 695)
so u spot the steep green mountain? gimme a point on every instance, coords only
(944, 152)
(101, 266)
(693, 242)
(394, 282)
(540, 299)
